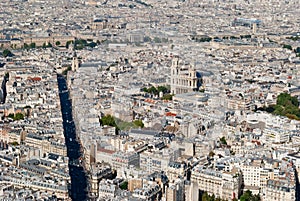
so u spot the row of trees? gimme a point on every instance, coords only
(17, 116)
(65, 72)
(294, 38)
(7, 53)
(138, 123)
(79, 44)
(109, 120)
(208, 39)
(296, 49)
(247, 196)
(156, 90)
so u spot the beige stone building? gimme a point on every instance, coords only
(225, 185)
(280, 190)
(184, 78)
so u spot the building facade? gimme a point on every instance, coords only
(225, 185)
(184, 79)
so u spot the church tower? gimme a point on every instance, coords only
(75, 62)
(174, 74)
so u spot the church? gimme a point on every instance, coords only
(184, 78)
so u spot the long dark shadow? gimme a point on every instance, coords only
(78, 176)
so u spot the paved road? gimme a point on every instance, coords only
(77, 174)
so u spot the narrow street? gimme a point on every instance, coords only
(78, 176)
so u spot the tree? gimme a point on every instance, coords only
(286, 105)
(163, 89)
(145, 89)
(223, 140)
(14, 143)
(6, 75)
(19, 116)
(211, 154)
(157, 40)
(57, 43)
(11, 116)
(80, 44)
(32, 45)
(287, 47)
(92, 44)
(124, 185)
(7, 53)
(248, 196)
(138, 123)
(147, 39)
(167, 97)
(65, 72)
(68, 43)
(153, 90)
(26, 46)
(109, 121)
(286, 99)
(206, 197)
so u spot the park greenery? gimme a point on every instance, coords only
(223, 140)
(247, 196)
(65, 72)
(80, 44)
(17, 116)
(125, 125)
(287, 47)
(108, 120)
(206, 197)
(30, 46)
(139, 123)
(7, 53)
(120, 124)
(14, 143)
(294, 38)
(156, 90)
(124, 185)
(201, 39)
(167, 97)
(46, 45)
(286, 105)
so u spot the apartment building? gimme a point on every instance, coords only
(277, 190)
(225, 185)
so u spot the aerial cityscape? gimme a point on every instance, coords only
(143, 100)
